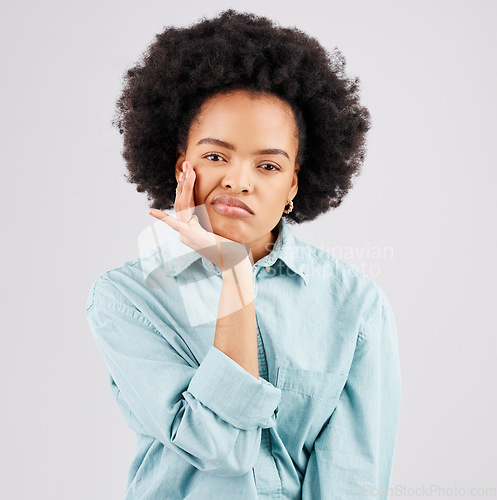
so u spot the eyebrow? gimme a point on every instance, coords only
(227, 145)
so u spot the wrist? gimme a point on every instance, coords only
(241, 269)
(238, 282)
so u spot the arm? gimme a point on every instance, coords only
(236, 326)
(353, 455)
(211, 414)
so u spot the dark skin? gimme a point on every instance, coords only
(264, 181)
(252, 158)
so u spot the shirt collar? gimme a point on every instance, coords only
(176, 256)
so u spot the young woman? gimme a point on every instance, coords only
(250, 364)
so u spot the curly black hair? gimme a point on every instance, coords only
(164, 91)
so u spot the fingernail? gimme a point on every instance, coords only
(183, 166)
(187, 174)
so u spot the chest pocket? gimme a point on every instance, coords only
(308, 399)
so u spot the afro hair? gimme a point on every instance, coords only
(164, 91)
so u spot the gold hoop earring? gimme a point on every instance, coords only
(289, 202)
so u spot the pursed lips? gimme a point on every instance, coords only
(232, 202)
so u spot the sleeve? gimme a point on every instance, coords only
(211, 414)
(353, 455)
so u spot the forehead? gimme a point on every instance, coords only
(247, 97)
(253, 116)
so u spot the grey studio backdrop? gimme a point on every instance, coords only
(420, 220)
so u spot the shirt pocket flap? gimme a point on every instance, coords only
(319, 385)
(308, 400)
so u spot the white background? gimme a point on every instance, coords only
(425, 201)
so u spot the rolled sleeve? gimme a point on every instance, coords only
(235, 395)
(151, 381)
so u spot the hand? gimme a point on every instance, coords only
(222, 252)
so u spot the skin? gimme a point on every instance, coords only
(265, 182)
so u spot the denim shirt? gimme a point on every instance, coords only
(321, 420)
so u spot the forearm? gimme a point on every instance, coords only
(164, 395)
(236, 328)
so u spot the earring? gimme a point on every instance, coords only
(290, 202)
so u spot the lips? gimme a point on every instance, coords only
(230, 201)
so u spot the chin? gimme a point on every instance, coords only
(228, 230)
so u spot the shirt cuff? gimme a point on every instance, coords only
(234, 394)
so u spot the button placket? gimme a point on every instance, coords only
(255, 270)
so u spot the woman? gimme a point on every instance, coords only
(252, 364)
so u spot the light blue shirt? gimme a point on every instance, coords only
(319, 423)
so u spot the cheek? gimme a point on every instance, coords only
(276, 195)
(206, 180)
(201, 187)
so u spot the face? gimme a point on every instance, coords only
(244, 146)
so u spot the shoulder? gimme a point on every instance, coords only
(351, 288)
(117, 284)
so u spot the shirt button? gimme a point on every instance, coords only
(267, 268)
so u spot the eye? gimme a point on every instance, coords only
(216, 158)
(271, 165)
(213, 154)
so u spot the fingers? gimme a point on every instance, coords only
(170, 221)
(179, 188)
(185, 205)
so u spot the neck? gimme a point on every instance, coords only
(263, 246)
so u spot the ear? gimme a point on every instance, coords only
(180, 158)
(295, 183)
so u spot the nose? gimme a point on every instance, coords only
(238, 177)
